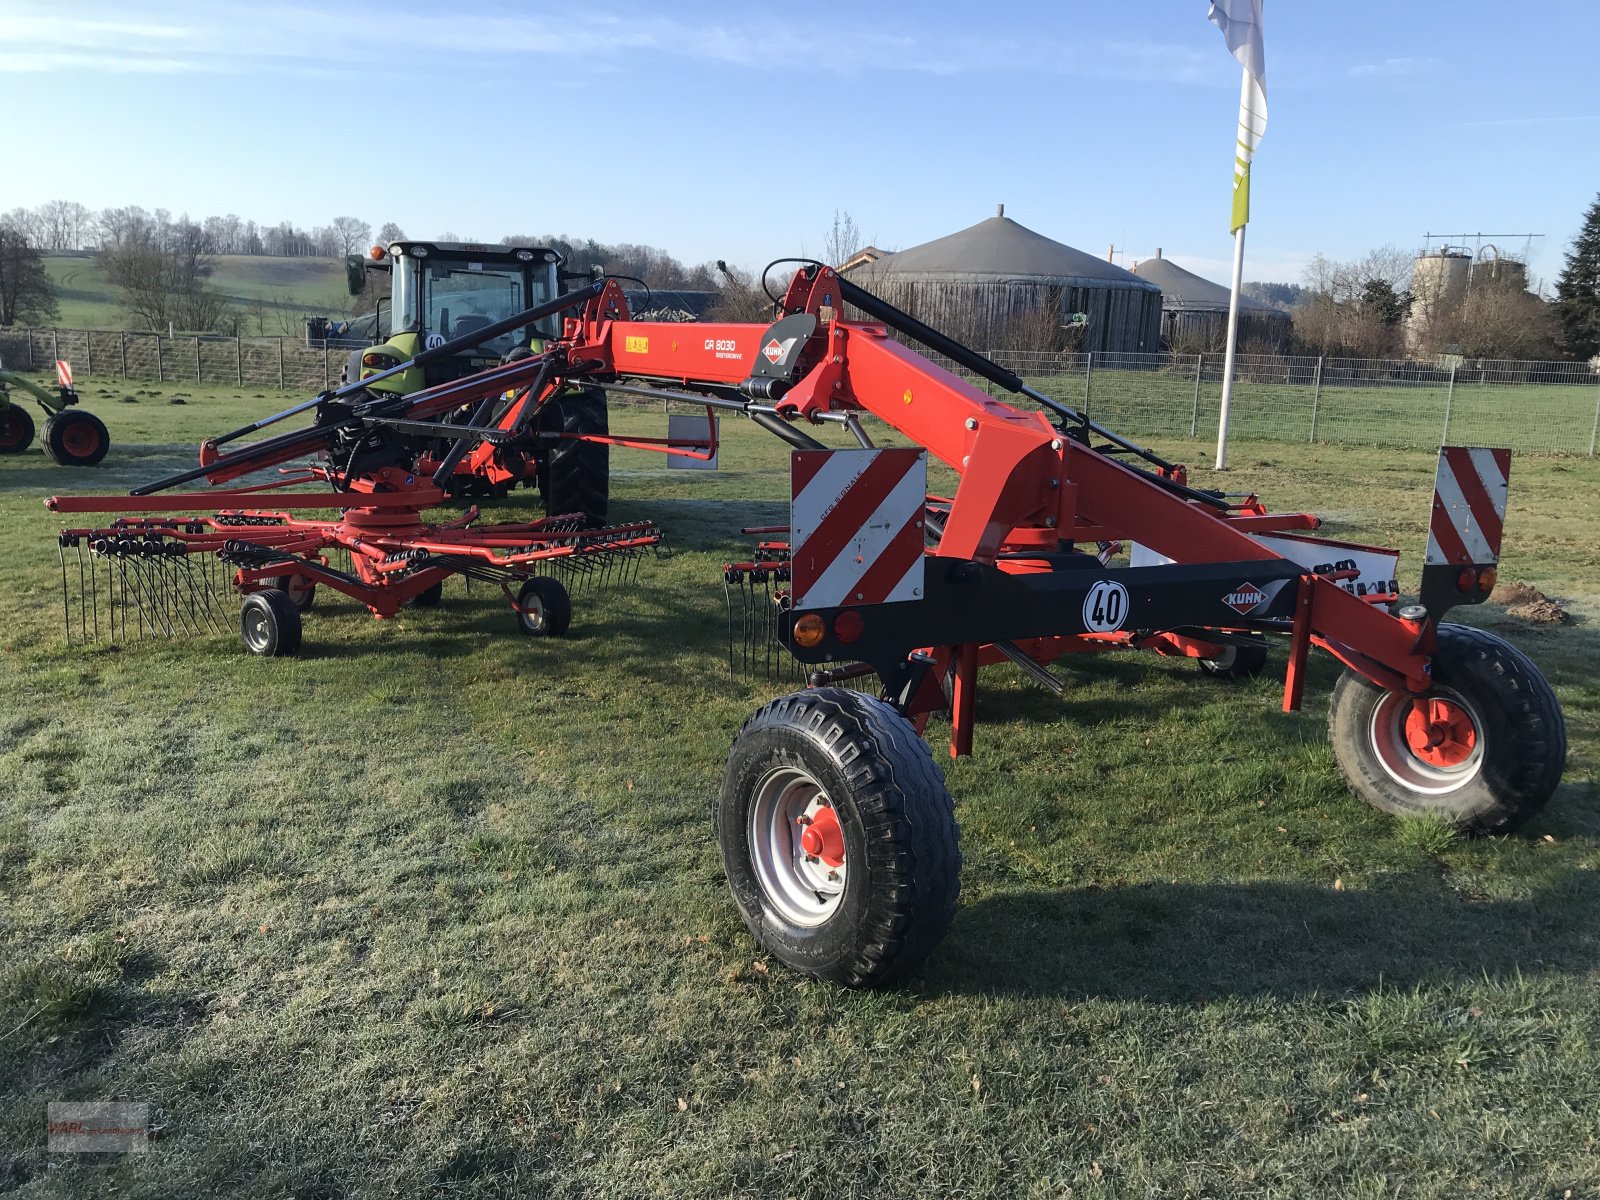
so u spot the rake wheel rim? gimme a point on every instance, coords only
(256, 631)
(804, 888)
(1393, 731)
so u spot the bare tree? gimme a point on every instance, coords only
(842, 240)
(163, 278)
(1494, 319)
(1357, 307)
(389, 233)
(353, 234)
(742, 297)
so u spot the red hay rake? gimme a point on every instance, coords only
(837, 832)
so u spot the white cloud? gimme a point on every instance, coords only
(1393, 68)
(184, 36)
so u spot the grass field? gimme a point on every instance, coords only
(435, 910)
(309, 286)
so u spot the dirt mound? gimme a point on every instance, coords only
(1527, 603)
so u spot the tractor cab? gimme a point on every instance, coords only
(441, 291)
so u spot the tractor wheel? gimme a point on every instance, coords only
(16, 429)
(301, 591)
(75, 438)
(1235, 662)
(1483, 750)
(430, 596)
(543, 607)
(576, 476)
(270, 623)
(839, 837)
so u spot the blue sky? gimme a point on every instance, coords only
(735, 131)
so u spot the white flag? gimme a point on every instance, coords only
(1240, 22)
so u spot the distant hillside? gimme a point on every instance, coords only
(272, 295)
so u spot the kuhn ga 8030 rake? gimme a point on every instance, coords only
(837, 832)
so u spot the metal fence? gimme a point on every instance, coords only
(1532, 407)
(275, 362)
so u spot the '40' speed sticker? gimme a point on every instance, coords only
(1105, 608)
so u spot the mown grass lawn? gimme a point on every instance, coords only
(436, 910)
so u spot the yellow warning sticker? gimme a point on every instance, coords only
(637, 345)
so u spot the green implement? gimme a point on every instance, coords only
(72, 437)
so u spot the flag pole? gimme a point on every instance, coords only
(1233, 316)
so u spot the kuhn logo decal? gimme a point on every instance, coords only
(773, 350)
(1244, 598)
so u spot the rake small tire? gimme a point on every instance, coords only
(429, 597)
(575, 477)
(544, 607)
(302, 592)
(16, 429)
(857, 756)
(1235, 662)
(1519, 738)
(269, 623)
(74, 438)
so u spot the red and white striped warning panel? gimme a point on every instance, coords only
(64, 372)
(1469, 506)
(856, 526)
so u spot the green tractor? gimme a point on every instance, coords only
(443, 291)
(72, 437)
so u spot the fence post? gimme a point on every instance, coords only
(161, 368)
(197, 378)
(30, 349)
(327, 376)
(1316, 399)
(55, 344)
(88, 352)
(238, 359)
(1088, 384)
(122, 351)
(280, 364)
(1449, 395)
(1194, 413)
(1594, 430)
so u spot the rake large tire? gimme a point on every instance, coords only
(1518, 738)
(892, 818)
(75, 438)
(575, 477)
(16, 429)
(269, 623)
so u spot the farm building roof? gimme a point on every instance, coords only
(1184, 290)
(1001, 251)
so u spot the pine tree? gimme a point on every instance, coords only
(1578, 291)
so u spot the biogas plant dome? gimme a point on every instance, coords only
(1001, 285)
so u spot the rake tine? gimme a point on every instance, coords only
(66, 612)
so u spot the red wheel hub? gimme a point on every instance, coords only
(81, 439)
(822, 838)
(1440, 732)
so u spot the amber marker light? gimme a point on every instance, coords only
(809, 630)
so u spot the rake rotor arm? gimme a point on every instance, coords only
(468, 341)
